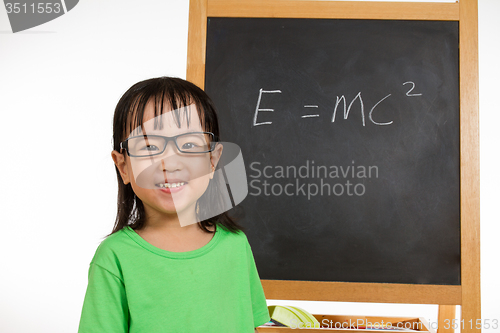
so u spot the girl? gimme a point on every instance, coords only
(161, 269)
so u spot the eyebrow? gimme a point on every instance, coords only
(155, 132)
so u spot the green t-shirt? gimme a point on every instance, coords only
(136, 287)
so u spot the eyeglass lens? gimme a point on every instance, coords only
(153, 145)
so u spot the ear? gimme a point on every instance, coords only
(121, 165)
(215, 157)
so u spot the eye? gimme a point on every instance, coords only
(189, 145)
(150, 148)
(192, 142)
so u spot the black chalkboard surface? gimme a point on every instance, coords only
(350, 134)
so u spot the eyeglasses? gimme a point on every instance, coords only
(151, 145)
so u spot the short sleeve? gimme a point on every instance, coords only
(105, 308)
(259, 305)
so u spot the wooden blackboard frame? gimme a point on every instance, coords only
(467, 294)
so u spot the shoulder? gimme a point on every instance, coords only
(234, 242)
(111, 249)
(113, 241)
(237, 236)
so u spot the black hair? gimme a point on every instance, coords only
(176, 94)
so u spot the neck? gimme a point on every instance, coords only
(174, 222)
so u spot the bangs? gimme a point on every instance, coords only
(165, 98)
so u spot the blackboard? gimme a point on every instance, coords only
(396, 219)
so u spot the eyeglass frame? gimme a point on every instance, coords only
(124, 144)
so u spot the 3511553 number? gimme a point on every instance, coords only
(39, 8)
(478, 324)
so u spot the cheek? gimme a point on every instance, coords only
(199, 167)
(138, 165)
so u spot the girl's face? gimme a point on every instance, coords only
(172, 181)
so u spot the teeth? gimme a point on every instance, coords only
(171, 185)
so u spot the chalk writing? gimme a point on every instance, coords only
(409, 91)
(310, 115)
(340, 100)
(257, 109)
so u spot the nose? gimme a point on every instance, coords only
(170, 159)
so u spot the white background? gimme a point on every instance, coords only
(59, 84)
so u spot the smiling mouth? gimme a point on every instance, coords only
(171, 185)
